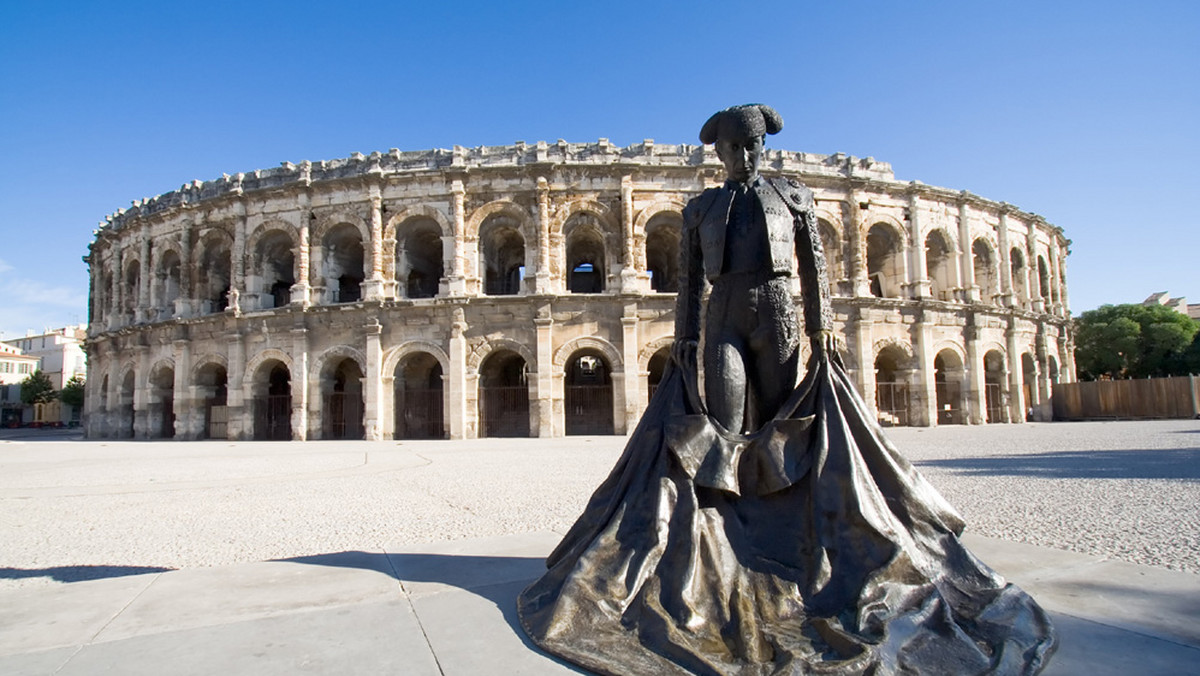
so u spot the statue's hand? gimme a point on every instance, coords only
(824, 343)
(683, 351)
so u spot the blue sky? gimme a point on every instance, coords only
(1083, 112)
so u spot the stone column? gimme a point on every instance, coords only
(1007, 297)
(300, 388)
(548, 424)
(1016, 372)
(141, 392)
(373, 417)
(633, 381)
(1041, 357)
(456, 380)
(184, 403)
(237, 282)
(855, 227)
(966, 263)
(924, 383)
(629, 277)
(1062, 277)
(864, 355)
(301, 290)
(976, 376)
(372, 288)
(917, 279)
(142, 311)
(241, 413)
(117, 318)
(542, 276)
(458, 276)
(1037, 303)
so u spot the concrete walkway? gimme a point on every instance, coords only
(449, 608)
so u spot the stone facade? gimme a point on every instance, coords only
(529, 290)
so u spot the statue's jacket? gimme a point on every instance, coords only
(787, 207)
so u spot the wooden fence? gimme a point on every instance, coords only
(1177, 397)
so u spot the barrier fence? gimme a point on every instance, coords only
(1174, 397)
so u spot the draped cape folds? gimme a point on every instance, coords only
(811, 546)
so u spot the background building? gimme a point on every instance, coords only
(528, 290)
(59, 354)
(15, 366)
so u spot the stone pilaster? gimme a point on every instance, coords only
(855, 226)
(301, 392)
(240, 406)
(917, 278)
(541, 279)
(456, 380)
(372, 288)
(976, 376)
(966, 264)
(923, 389)
(301, 290)
(373, 416)
(142, 312)
(1007, 297)
(632, 410)
(545, 391)
(1016, 370)
(629, 276)
(185, 404)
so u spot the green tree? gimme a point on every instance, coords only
(1133, 341)
(72, 392)
(37, 389)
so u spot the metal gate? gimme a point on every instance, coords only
(504, 411)
(992, 396)
(891, 403)
(216, 420)
(949, 403)
(343, 411)
(273, 417)
(167, 418)
(589, 409)
(419, 414)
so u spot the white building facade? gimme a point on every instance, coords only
(529, 290)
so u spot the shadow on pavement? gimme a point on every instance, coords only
(79, 573)
(1180, 463)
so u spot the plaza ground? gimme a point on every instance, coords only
(283, 557)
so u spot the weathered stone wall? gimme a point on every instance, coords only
(338, 298)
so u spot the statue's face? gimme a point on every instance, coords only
(741, 156)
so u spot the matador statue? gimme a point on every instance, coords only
(755, 525)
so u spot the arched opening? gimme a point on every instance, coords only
(343, 261)
(214, 276)
(502, 249)
(588, 394)
(891, 387)
(162, 403)
(418, 398)
(1029, 383)
(585, 254)
(272, 392)
(662, 251)
(993, 387)
(103, 402)
(1043, 279)
(658, 368)
(948, 390)
(133, 277)
(419, 264)
(1017, 268)
(167, 282)
(939, 266)
(1052, 369)
(101, 304)
(984, 265)
(212, 387)
(503, 396)
(275, 261)
(125, 414)
(342, 400)
(832, 244)
(885, 262)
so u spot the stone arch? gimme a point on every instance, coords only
(131, 282)
(587, 250)
(213, 269)
(941, 266)
(950, 369)
(501, 207)
(167, 282)
(657, 239)
(608, 221)
(391, 226)
(984, 264)
(273, 249)
(160, 385)
(891, 342)
(332, 355)
(261, 357)
(204, 361)
(995, 384)
(1017, 267)
(650, 349)
(885, 247)
(393, 357)
(662, 205)
(612, 354)
(269, 225)
(418, 253)
(958, 350)
(333, 219)
(892, 363)
(485, 349)
(834, 243)
(505, 246)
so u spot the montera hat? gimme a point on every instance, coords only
(745, 121)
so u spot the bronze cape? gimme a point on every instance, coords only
(811, 546)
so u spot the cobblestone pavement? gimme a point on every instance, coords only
(73, 510)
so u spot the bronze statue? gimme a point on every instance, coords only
(769, 527)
